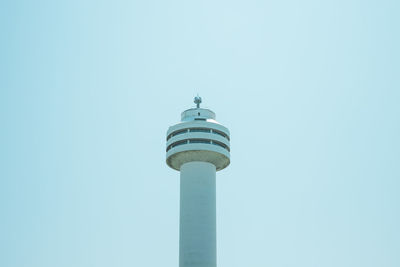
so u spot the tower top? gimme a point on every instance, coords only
(198, 137)
(197, 101)
(197, 113)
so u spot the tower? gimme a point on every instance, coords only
(198, 146)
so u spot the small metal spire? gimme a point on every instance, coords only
(197, 101)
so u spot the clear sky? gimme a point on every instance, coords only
(310, 93)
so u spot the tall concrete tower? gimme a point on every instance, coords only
(198, 146)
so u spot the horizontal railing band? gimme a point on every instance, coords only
(198, 130)
(197, 141)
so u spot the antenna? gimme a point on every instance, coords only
(197, 101)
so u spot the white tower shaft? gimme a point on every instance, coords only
(197, 230)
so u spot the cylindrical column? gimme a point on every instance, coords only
(197, 230)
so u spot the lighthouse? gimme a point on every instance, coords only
(198, 147)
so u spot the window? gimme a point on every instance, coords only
(199, 130)
(178, 143)
(220, 133)
(199, 141)
(180, 132)
(176, 133)
(221, 145)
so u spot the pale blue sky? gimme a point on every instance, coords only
(308, 89)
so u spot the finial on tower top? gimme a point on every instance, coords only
(197, 101)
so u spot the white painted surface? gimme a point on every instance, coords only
(189, 135)
(197, 229)
(212, 124)
(191, 114)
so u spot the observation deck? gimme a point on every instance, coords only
(198, 137)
